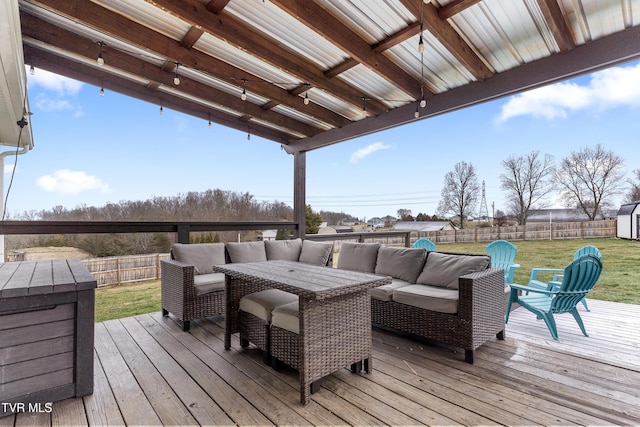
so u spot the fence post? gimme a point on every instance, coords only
(157, 266)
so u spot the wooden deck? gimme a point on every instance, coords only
(149, 372)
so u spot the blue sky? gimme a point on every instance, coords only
(94, 150)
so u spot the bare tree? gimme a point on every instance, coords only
(405, 215)
(528, 181)
(590, 178)
(459, 195)
(634, 192)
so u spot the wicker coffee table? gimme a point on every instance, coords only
(335, 312)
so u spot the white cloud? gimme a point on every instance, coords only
(48, 104)
(369, 149)
(8, 168)
(65, 181)
(607, 89)
(50, 81)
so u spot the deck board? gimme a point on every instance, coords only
(149, 372)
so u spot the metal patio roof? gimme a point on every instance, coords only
(317, 72)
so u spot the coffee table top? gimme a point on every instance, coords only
(310, 281)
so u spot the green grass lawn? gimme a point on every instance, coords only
(618, 282)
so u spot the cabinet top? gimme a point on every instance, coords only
(27, 278)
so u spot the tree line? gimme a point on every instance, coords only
(588, 179)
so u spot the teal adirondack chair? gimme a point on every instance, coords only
(503, 255)
(425, 243)
(538, 284)
(579, 277)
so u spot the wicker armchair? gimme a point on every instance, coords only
(188, 295)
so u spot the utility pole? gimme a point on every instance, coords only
(483, 215)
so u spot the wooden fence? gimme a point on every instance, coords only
(125, 269)
(533, 231)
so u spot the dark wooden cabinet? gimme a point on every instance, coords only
(46, 331)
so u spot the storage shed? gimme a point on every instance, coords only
(629, 221)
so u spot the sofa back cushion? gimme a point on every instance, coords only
(358, 256)
(283, 249)
(203, 256)
(316, 253)
(442, 269)
(247, 251)
(401, 263)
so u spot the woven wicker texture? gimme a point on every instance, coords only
(481, 309)
(178, 295)
(335, 312)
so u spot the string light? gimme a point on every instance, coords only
(306, 98)
(423, 102)
(209, 115)
(364, 106)
(176, 79)
(32, 71)
(100, 59)
(102, 91)
(244, 90)
(416, 114)
(161, 110)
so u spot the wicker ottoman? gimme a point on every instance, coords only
(254, 317)
(285, 339)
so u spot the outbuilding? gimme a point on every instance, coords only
(629, 221)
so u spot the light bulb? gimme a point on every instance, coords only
(423, 103)
(244, 95)
(420, 45)
(32, 70)
(101, 91)
(100, 59)
(416, 114)
(209, 124)
(248, 136)
(306, 99)
(176, 80)
(161, 110)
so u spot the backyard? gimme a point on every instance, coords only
(618, 282)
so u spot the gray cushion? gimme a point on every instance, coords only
(203, 256)
(283, 249)
(247, 251)
(262, 303)
(209, 282)
(445, 269)
(358, 256)
(401, 263)
(316, 253)
(385, 292)
(431, 298)
(287, 317)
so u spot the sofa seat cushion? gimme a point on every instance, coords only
(203, 256)
(358, 256)
(433, 298)
(283, 249)
(210, 282)
(246, 251)
(316, 253)
(262, 303)
(401, 263)
(385, 292)
(286, 316)
(444, 270)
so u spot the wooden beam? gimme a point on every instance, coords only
(322, 22)
(558, 26)
(238, 34)
(120, 27)
(602, 53)
(455, 7)
(82, 72)
(449, 38)
(216, 6)
(192, 36)
(299, 192)
(70, 42)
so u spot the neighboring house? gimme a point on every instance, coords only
(629, 221)
(423, 226)
(376, 222)
(269, 234)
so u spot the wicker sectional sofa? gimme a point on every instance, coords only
(192, 290)
(453, 299)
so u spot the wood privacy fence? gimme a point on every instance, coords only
(533, 231)
(125, 269)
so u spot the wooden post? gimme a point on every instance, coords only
(299, 191)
